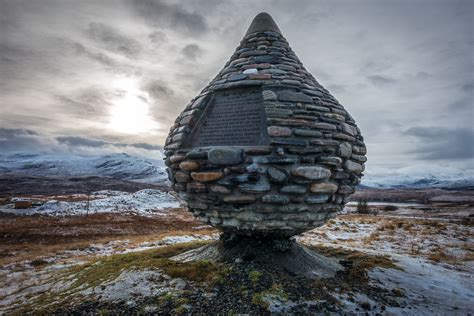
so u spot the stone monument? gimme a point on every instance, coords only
(264, 152)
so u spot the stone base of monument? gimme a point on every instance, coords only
(285, 253)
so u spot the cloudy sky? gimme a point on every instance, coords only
(92, 77)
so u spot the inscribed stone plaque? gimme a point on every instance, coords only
(232, 118)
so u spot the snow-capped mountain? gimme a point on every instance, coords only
(455, 181)
(118, 166)
(132, 168)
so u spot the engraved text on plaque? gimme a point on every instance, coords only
(232, 118)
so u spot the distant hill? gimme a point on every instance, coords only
(125, 167)
(116, 166)
(453, 182)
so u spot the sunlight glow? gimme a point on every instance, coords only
(130, 111)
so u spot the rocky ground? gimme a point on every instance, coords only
(401, 258)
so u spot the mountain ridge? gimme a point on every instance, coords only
(123, 166)
(120, 166)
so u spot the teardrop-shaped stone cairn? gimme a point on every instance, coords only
(264, 149)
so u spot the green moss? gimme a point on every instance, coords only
(173, 301)
(258, 299)
(180, 310)
(255, 276)
(360, 259)
(278, 290)
(355, 276)
(96, 272)
(275, 290)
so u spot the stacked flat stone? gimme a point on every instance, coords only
(313, 161)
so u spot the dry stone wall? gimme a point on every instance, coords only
(298, 173)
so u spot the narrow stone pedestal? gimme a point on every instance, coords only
(286, 253)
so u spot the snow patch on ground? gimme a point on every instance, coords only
(388, 235)
(171, 240)
(430, 289)
(132, 284)
(143, 202)
(19, 288)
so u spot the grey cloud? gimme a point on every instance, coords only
(81, 141)
(443, 143)
(174, 16)
(74, 141)
(27, 140)
(192, 51)
(320, 73)
(110, 63)
(158, 37)
(158, 89)
(146, 146)
(91, 102)
(23, 140)
(390, 65)
(379, 80)
(422, 75)
(14, 132)
(468, 87)
(98, 57)
(377, 65)
(462, 105)
(337, 88)
(314, 17)
(10, 53)
(112, 40)
(18, 62)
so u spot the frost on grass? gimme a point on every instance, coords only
(132, 284)
(435, 258)
(433, 239)
(396, 264)
(124, 270)
(431, 289)
(143, 202)
(114, 278)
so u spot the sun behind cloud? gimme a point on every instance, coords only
(130, 113)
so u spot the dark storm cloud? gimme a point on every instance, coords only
(23, 140)
(16, 132)
(379, 80)
(27, 140)
(191, 51)
(112, 40)
(19, 140)
(442, 143)
(173, 16)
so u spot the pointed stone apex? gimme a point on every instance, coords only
(261, 23)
